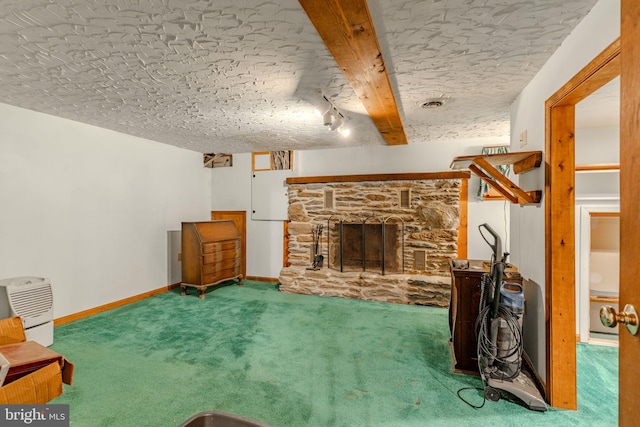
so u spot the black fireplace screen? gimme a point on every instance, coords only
(366, 246)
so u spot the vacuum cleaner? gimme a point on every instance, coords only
(499, 333)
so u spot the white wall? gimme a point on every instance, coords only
(90, 208)
(231, 188)
(597, 146)
(595, 192)
(597, 30)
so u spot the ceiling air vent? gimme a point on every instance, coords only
(433, 103)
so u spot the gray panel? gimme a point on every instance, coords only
(269, 197)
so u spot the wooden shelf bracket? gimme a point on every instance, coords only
(484, 166)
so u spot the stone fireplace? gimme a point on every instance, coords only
(383, 237)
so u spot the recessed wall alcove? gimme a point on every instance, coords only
(422, 217)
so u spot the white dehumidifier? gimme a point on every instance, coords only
(30, 298)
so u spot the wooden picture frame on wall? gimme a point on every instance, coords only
(261, 161)
(271, 160)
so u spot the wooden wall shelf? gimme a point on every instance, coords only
(484, 166)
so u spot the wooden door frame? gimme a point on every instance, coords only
(560, 278)
(463, 227)
(586, 214)
(628, 408)
(285, 243)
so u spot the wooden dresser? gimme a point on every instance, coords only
(211, 254)
(466, 278)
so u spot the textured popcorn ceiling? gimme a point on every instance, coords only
(238, 76)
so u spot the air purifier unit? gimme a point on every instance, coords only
(30, 298)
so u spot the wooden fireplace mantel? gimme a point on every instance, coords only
(415, 176)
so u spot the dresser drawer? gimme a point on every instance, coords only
(227, 273)
(208, 248)
(219, 256)
(220, 265)
(212, 247)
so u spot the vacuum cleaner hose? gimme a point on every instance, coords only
(499, 343)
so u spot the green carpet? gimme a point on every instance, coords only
(290, 360)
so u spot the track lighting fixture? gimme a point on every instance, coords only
(338, 121)
(325, 111)
(332, 117)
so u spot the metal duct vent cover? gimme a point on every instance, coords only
(405, 197)
(420, 259)
(328, 199)
(31, 298)
(433, 103)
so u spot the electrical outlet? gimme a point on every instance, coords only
(523, 138)
(180, 256)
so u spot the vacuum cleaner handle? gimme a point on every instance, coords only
(496, 247)
(497, 274)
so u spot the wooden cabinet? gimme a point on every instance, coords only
(463, 311)
(211, 254)
(466, 277)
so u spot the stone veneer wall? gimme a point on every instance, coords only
(430, 224)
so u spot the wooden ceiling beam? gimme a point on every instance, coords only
(347, 30)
